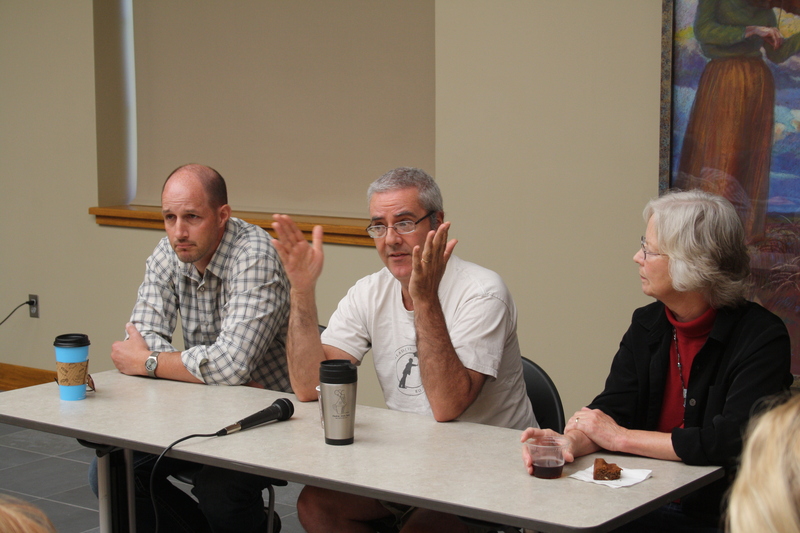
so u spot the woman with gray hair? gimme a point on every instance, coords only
(693, 364)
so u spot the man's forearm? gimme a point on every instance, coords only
(303, 347)
(170, 366)
(450, 386)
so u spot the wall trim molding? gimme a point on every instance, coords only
(16, 377)
(338, 230)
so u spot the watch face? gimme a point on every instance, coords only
(151, 363)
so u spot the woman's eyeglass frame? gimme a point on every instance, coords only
(646, 253)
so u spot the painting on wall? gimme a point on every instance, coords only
(731, 125)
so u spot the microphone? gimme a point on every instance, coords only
(281, 409)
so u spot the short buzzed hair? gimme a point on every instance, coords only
(430, 196)
(212, 181)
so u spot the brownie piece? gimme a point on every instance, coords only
(606, 471)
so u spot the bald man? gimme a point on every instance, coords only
(224, 279)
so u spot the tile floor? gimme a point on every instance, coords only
(50, 471)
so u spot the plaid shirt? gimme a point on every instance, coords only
(234, 318)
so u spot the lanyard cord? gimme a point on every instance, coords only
(680, 367)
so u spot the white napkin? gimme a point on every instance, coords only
(627, 477)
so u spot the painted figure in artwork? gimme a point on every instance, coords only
(728, 143)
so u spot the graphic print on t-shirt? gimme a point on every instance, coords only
(409, 381)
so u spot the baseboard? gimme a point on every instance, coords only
(15, 377)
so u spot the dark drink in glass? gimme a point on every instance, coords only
(548, 468)
(547, 455)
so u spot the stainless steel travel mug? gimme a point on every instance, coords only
(338, 381)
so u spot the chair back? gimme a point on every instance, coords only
(544, 396)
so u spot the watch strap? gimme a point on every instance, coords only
(151, 367)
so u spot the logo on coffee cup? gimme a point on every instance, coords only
(340, 405)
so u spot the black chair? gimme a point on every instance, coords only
(549, 411)
(544, 397)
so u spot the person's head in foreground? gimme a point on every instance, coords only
(766, 494)
(17, 516)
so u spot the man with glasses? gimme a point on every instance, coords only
(442, 333)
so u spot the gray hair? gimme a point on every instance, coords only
(430, 197)
(704, 239)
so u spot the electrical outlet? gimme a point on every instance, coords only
(34, 307)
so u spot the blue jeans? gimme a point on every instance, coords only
(228, 501)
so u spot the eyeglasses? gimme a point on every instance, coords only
(406, 226)
(646, 253)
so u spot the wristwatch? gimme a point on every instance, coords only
(151, 364)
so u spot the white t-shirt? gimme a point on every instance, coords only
(482, 322)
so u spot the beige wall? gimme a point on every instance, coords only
(285, 128)
(547, 125)
(546, 150)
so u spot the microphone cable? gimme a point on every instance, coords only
(155, 466)
(281, 409)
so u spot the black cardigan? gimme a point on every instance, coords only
(746, 358)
